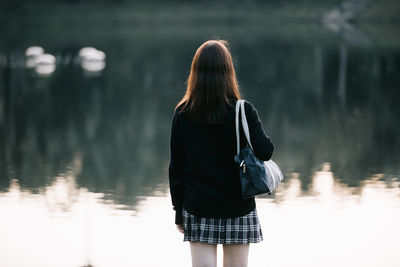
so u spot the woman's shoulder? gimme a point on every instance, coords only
(246, 102)
(250, 110)
(249, 107)
(178, 111)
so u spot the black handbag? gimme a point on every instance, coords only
(256, 176)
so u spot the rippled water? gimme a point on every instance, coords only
(330, 227)
(85, 150)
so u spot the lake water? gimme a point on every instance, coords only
(85, 148)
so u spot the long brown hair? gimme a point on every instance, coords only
(211, 83)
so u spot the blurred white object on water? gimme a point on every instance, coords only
(93, 66)
(45, 64)
(34, 51)
(31, 54)
(92, 59)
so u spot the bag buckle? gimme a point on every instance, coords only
(244, 166)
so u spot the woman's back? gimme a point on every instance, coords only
(212, 185)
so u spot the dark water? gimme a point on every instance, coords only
(73, 136)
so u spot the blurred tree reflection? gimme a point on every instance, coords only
(118, 122)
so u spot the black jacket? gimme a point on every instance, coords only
(203, 177)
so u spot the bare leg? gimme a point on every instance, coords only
(236, 255)
(203, 254)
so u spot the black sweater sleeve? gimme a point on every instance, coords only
(262, 144)
(176, 168)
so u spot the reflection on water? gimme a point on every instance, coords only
(85, 148)
(319, 103)
(333, 226)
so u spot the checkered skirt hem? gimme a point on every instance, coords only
(239, 230)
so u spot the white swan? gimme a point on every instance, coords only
(34, 51)
(31, 54)
(45, 64)
(92, 59)
(92, 54)
(45, 59)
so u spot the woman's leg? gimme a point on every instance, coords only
(203, 254)
(236, 255)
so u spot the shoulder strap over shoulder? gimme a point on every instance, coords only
(245, 125)
(237, 126)
(240, 106)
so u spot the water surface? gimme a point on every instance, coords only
(84, 155)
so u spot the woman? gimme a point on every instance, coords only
(204, 179)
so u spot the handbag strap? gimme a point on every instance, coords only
(240, 104)
(245, 125)
(237, 127)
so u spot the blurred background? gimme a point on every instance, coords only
(87, 91)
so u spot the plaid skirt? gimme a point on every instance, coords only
(239, 230)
